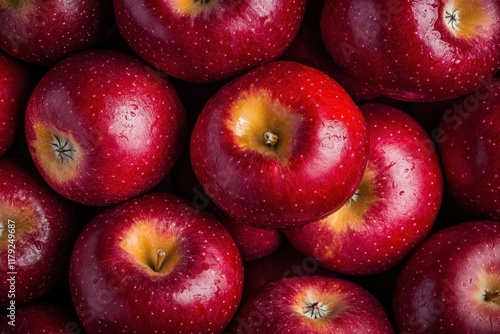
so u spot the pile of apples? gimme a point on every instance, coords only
(250, 166)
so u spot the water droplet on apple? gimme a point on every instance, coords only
(94, 281)
(401, 193)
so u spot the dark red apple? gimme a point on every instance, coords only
(419, 50)
(37, 230)
(265, 144)
(155, 264)
(308, 48)
(208, 40)
(46, 31)
(451, 284)
(41, 317)
(103, 127)
(393, 208)
(311, 305)
(15, 88)
(468, 138)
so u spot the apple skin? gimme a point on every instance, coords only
(408, 50)
(399, 199)
(15, 88)
(208, 40)
(280, 307)
(46, 31)
(468, 145)
(114, 289)
(308, 48)
(44, 229)
(323, 137)
(442, 287)
(253, 243)
(42, 317)
(124, 123)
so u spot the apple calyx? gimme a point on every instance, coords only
(452, 18)
(315, 310)
(492, 296)
(160, 259)
(63, 148)
(270, 138)
(354, 198)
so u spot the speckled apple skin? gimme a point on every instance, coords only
(270, 310)
(437, 290)
(404, 49)
(46, 31)
(42, 256)
(227, 39)
(408, 186)
(328, 152)
(470, 152)
(112, 294)
(15, 88)
(127, 119)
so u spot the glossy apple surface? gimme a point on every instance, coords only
(451, 284)
(15, 88)
(208, 40)
(37, 228)
(469, 135)
(103, 127)
(418, 50)
(155, 264)
(264, 145)
(46, 31)
(311, 305)
(393, 208)
(308, 48)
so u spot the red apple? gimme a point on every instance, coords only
(420, 50)
(265, 144)
(308, 48)
(252, 242)
(393, 208)
(451, 284)
(103, 127)
(46, 31)
(468, 138)
(37, 228)
(311, 305)
(155, 264)
(15, 88)
(208, 40)
(41, 317)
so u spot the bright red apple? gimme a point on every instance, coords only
(103, 127)
(15, 88)
(308, 48)
(451, 284)
(419, 50)
(311, 305)
(393, 208)
(46, 31)
(280, 146)
(208, 40)
(468, 138)
(37, 230)
(155, 264)
(41, 317)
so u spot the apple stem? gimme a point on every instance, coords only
(492, 296)
(270, 138)
(160, 258)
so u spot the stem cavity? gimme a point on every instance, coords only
(270, 138)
